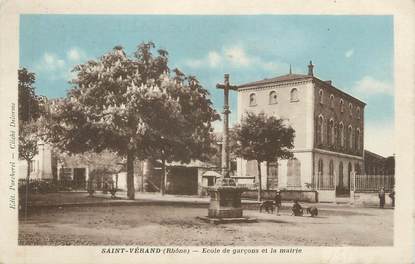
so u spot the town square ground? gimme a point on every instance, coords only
(172, 221)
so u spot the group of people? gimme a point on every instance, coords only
(297, 209)
(382, 195)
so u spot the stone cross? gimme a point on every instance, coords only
(225, 145)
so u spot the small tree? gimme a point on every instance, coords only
(262, 138)
(31, 134)
(28, 148)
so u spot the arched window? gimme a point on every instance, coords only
(349, 175)
(336, 135)
(331, 133)
(294, 95)
(350, 137)
(320, 129)
(341, 135)
(357, 168)
(293, 173)
(331, 174)
(320, 93)
(357, 138)
(331, 101)
(273, 97)
(358, 112)
(350, 109)
(341, 106)
(252, 99)
(340, 184)
(320, 173)
(272, 174)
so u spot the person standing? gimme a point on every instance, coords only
(277, 200)
(392, 196)
(382, 197)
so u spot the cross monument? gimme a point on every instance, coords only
(225, 137)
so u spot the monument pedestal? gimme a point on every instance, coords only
(225, 196)
(225, 203)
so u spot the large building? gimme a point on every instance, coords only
(328, 124)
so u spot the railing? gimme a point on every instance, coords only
(374, 182)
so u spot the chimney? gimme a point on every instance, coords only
(328, 82)
(310, 69)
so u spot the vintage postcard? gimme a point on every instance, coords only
(213, 131)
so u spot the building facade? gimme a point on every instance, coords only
(42, 165)
(329, 127)
(376, 164)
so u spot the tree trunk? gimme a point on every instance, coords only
(142, 177)
(259, 181)
(130, 176)
(27, 188)
(163, 176)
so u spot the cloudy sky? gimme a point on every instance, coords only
(356, 52)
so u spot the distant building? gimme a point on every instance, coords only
(376, 164)
(182, 178)
(73, 172)
(329, 129)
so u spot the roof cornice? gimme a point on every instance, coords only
(273, 84)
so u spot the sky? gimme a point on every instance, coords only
(355, 52)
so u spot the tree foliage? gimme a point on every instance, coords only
(106, 161)
(28, 141)
(136, 108)
(28, 101)
(262, 138)
(32, 127)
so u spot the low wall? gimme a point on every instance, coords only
(286, 195)
(370, 199)
(327, 196)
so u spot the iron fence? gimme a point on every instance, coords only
(374, 182)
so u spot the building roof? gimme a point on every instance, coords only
(370, 153)
(294, 77)
(282, 78)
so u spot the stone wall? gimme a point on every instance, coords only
(369, 199)
(327, 196)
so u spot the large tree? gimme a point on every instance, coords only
(262, 138)
(131, 105)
